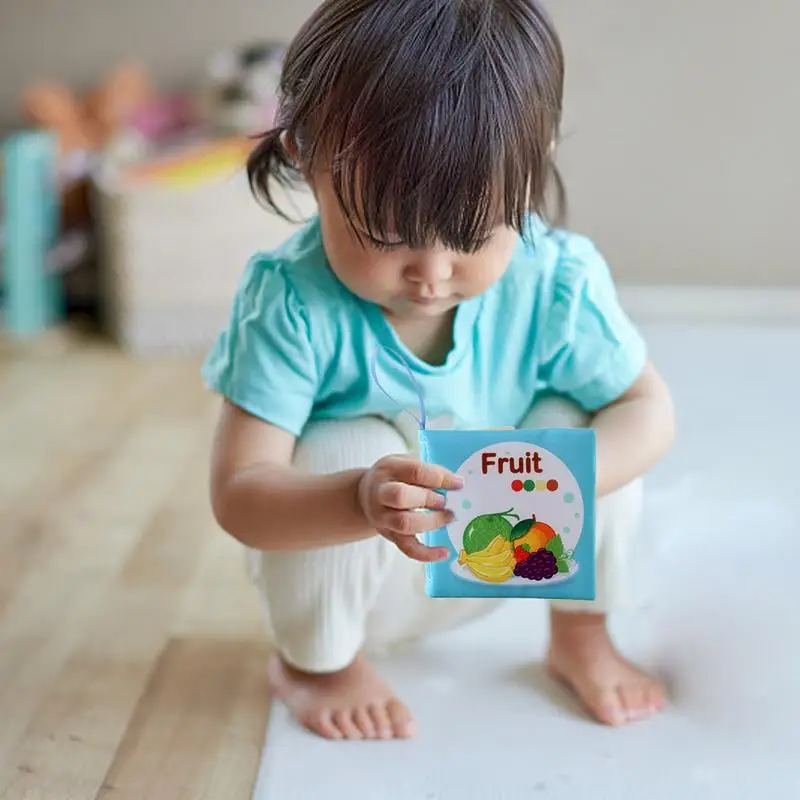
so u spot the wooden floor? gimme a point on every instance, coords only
(131, 648)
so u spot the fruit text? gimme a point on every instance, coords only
(518, 465)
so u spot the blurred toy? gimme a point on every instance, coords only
(241, 96)
(53, 108)
(114, 103)
(123, 118)
(163, 119)
(193, 165)
(84, 126)
(47, 237)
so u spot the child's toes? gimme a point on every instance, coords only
(607, 707)
(321, 722)
(381, 721)
(402, 723)
(343, 720)
(635, 702)
(656, 696)
(364, 723)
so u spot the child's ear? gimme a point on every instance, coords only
(290, 146)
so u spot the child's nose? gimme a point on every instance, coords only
(431, 268)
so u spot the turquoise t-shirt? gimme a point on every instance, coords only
(299, 345)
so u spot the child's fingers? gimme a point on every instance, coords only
(412, 523)
(415, 549)
(401, 496)
(429, 476)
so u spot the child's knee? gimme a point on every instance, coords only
(337, 445)
(555, 411)
(620, 511)
(317, 602)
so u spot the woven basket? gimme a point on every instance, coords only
(172, 257)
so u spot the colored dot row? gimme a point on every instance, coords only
(530, 486)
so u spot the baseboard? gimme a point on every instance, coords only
(709, 304)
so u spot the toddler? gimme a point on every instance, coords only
(425, 130)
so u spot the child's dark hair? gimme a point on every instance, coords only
(436, 118)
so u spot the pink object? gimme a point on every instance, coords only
(164, 118)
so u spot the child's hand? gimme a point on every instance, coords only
(391, 496)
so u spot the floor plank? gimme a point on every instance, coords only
(113, 576)
(198, 729)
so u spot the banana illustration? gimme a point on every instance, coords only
(498, 546)
(495, 563)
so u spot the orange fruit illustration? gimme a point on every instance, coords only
(537, 537)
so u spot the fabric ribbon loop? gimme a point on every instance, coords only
(421, 420)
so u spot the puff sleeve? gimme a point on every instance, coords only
(263, 361)
(591, 351)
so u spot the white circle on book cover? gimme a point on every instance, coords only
(505, 485)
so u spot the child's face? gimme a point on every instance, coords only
(408, 283)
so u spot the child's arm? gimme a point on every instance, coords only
(259, 499)
(634, 432)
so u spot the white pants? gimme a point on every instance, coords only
(324, 606)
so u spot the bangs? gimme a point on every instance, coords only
(434, 119)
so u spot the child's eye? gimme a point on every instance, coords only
(365, 239)
(377, 244)
(386, 247)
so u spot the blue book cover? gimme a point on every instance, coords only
(525, 519)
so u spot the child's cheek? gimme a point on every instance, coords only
(383, 270)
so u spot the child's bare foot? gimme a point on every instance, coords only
(351, 704)
(583, 656)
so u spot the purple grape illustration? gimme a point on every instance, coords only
(538, 566)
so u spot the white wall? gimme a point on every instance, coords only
(683, 134)
(682, 128)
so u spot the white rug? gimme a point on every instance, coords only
(717, 615)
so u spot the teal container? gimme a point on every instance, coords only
(33, 296)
